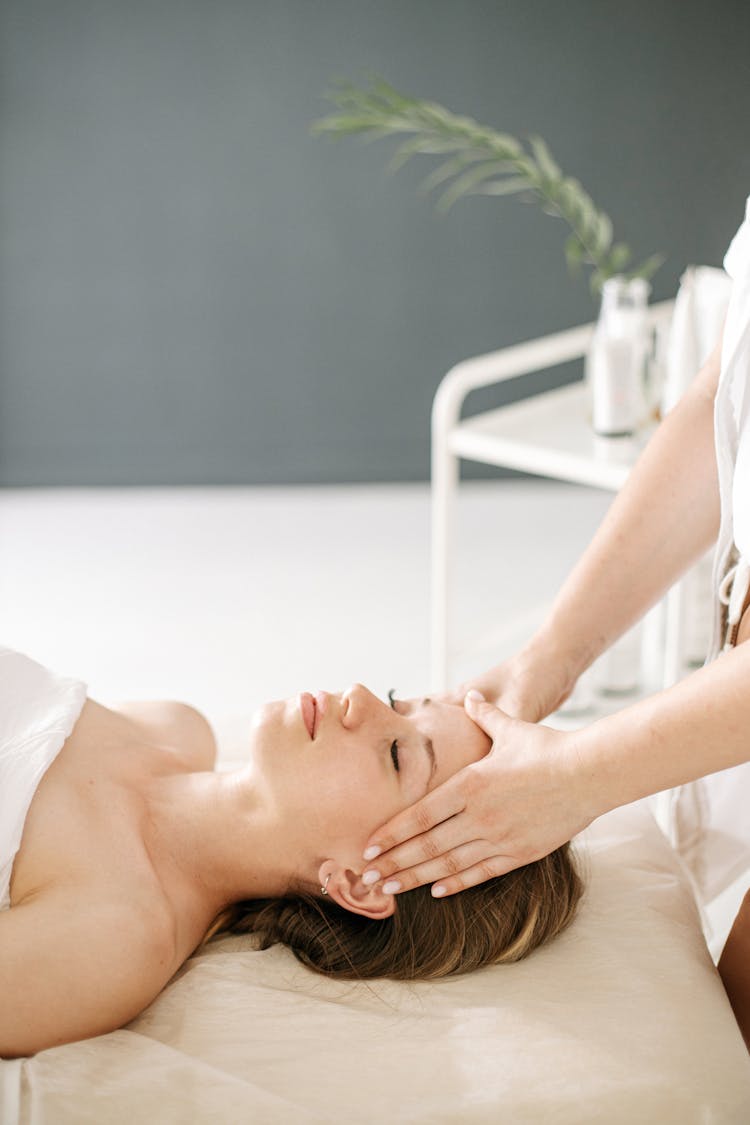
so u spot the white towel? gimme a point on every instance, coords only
(38, 710)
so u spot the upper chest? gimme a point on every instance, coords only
(87, 827)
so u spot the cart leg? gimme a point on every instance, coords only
(445, 480)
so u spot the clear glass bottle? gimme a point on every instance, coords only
(617, 359)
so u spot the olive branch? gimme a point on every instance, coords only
(484, 162)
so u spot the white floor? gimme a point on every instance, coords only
(230, 597)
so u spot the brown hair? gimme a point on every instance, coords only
(501, 920)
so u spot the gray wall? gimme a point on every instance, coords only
(195, 290)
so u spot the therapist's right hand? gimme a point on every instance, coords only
(529, 795)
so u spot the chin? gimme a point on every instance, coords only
(270, 714)
(270, 728)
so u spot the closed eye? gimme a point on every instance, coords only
(394, 744)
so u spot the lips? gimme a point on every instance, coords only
(321, 706)
(313, 708)
(307, 707)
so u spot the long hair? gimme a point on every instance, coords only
(501, 920)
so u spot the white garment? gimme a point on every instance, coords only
(38, 711)
(732, 426)
(709, 826)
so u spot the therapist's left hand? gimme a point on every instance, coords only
(528, 796)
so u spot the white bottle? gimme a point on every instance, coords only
(617, 358)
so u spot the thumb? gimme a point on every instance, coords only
(486, 715)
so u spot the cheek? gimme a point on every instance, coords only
(345, 807)
(459, 748)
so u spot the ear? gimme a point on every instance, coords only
(347, 889)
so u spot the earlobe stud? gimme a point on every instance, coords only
(324, 888)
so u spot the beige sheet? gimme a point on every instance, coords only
(623, 1019)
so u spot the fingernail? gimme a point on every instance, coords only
(472, 693)
(391, 887)
(371, 853)
(437, 892)
(370, 877)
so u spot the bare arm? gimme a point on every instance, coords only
(699, 726)
(661, 522)
(70, 970)
(646, 540)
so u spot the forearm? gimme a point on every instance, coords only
(698, 726)
(662, 521)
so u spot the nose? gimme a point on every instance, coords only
(358, 704)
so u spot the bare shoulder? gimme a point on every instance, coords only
(175, 724)
(71, 968)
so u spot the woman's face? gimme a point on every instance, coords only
(364, 762)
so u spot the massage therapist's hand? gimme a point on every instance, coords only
(515, 805)
(529, 685)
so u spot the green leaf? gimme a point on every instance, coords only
(568, 196)
(436, 114)
(342, 124)
(502, 187)
(619, 257)
(544, 159)
(589, 220)
(404, 153)
(499, 145)
(603, 236)
(465, 183)
(389, 95)
(374, 135)
(419, 145)
(484, 162)
(445, 171)
(574, 253)
(650, 266)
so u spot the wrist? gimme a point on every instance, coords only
(585, 767)
(608, 762)
(571, 656)
(547, 671)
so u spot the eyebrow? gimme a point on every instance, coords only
(431, 755)
(430, 750)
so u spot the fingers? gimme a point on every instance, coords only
(454, 871)
(439, 805)
(486, 715)
(417, 853)
(473, 876)
(452, 863)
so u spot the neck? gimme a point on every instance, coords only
(215, 832)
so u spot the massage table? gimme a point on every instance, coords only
(623, 1019)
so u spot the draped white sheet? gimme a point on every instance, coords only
(622, 1019)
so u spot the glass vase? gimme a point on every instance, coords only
(616, 363)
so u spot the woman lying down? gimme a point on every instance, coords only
(121, 850)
